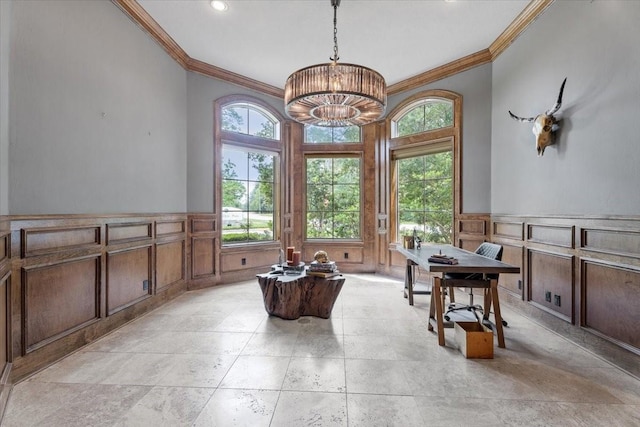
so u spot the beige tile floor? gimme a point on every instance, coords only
(213, 357)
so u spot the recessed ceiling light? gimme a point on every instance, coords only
(219, 5)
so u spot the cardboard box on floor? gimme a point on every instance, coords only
(474, 339)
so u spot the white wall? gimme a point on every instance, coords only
(594, 167)
(97, 113)
(5, 25)
(475, 87)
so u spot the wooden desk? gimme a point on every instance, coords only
(290, 297)
(468, 262)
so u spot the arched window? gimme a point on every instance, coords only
(423, 115)
(248, 158)
(425, 166)
(250, 119)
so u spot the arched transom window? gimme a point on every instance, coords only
(423, 115)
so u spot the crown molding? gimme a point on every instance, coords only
(453, 67)
(140, 16)
(209, 70)
(517, 27)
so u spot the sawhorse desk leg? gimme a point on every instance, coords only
(436, 310)
(409, 280)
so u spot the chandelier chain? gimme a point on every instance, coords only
(335, 32)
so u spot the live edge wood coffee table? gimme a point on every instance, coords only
(290, 297)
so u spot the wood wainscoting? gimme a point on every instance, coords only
(5, 297)
(584, 271)
(74, 278)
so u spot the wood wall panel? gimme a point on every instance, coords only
(5, 249)
(513, 254)
(165, 228)
(203, 225)
(128, 232)
(470, 244)
(611, 293)
(551, 235)
(552, 273)
(615, 241)
(236, 261)
(5, 285)
(128, 274)
(341, 254)
(609, 252)
(170, 266)
(58, 299)
(203, 261)
(508, 229)
(472, 226)
(74, 278)
(52, 240)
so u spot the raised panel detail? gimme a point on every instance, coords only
(58, 299)
(612, 300)
(51, 240)
(550, 278)
(510, 230)
(4, 247)
(514, 255)
(472, 226)
(119, 233)
(127, 272)
(469, 244)
(623, 242)
(203, 225)
(5, 284)
(169, 263)
(169, 227)
(250, 259)
(202, 257)
(551, 235)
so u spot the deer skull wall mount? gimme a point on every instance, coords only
(544, 124)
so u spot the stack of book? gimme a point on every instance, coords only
(323, 269)
(443, 259)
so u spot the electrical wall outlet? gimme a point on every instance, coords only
(346, 255)
(547, 296)
(243, 261)
(519, 284)
(145, 285)
(556, 300)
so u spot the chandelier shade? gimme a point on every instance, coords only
(335, 94)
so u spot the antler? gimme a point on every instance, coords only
(521, 119)
(558, 104)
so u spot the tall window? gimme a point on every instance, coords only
(425, 133)
(248, 169)
(333, 197)
(247, 195)
(425, 196)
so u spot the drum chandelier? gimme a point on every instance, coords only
(334, 94)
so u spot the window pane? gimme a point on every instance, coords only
(250, 119)
(425, 196)
(234, 164)
(429, 114)
(331, 135)
(233, 121)
(248, 186)
(333, 198)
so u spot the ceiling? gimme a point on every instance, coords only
(267, 40)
